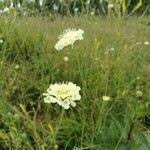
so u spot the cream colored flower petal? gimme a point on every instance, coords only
(50, 99)
(65, 104)
(73, 104)
(59, 101)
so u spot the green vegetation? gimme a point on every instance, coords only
(77, 7)
(29, 64)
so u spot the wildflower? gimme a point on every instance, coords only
(56, 147)
(106, 98)
(92, 13)
(55, 7)
(17, 67)
(11, 5)
(1, 41)
(19, 5)
(87, 2)
(64, 94)
(139, 93)
(66, 58)
(112, 49)
(6, 10)
(41, 2)
(110, 5)
(76, 10)
(68, 37)
(146, 43)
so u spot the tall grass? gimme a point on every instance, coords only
(26, 122)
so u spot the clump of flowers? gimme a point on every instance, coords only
(68, 37)
(64, 94)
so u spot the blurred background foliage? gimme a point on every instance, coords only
(77, 7)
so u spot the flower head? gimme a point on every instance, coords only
(106, 98)
(110, 6)
(112, 48)
(1, 41)
(68, 37)
(66, 58)
(146, 43)
(139, 93)
(92, 13)
(6, 10)
(65, 94)
(76, 10)
(17, 67)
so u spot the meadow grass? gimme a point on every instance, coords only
(29, 64)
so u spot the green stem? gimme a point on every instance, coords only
(59, 123)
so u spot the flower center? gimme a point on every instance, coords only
(63, 92)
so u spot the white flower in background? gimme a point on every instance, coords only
(6, 10)
(1, 41)
(92, 13)
(17, 67)
(76, 10)
(110, 5)
(19, 5)
(66, 59)
(106, 98)
(11, 5)
(24, 14)
(68, 37)
(146, 43)
(139, 93)
(55, 7)
(112, 49)
(41, 2)
(88, 2)
(64, 94)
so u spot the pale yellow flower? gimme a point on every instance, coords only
(106, 98)
(17, 67)
(1, 41)
(66, 58)
(68, 37)
(112, 49)
(110, 5)
(146, 43)
(64, 94)
(139, 93)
